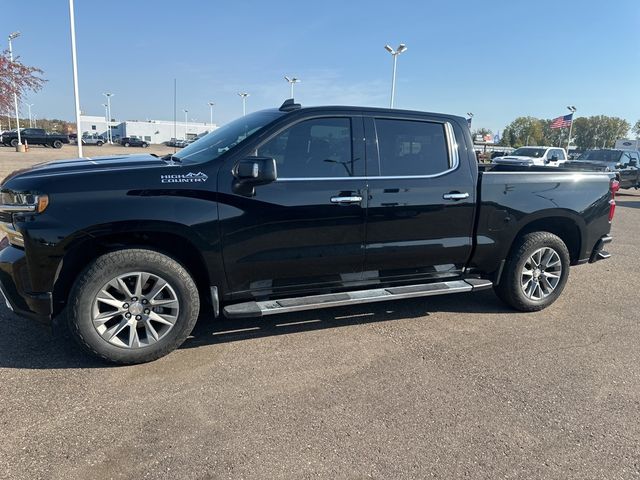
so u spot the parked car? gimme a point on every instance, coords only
(625, 164)
(93, 140)
(133, 142)
(34, 136)
(534, 156)
(285, 210)
(176, 143)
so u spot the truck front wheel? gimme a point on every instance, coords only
(133, 306)
(535, 272)
(14, 142)
(57, 144)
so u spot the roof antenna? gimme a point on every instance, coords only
(290, 105)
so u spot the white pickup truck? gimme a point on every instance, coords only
(534, 156)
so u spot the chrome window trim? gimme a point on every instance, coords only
(452, 150)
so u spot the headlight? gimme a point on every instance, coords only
(16, 202)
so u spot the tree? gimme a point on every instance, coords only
(15, 77)
(523, 131)
(599, 131)
(636, 129)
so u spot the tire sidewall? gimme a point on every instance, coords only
(86, 289)
(57, 144)
(550, 241)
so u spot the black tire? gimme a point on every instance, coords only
(510, 289)
(145, 145)
(99, 144)
(110, 266)
(57, 144)
(127, 144)
(14, 142)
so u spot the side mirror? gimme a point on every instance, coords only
(253, 171)
(633, 163)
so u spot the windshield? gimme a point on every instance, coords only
(222, 139)
(607, 156)
(529, 152)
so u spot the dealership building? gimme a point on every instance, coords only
(152, 131)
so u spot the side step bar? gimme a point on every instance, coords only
(272, 307)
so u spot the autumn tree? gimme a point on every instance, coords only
(17, 78)
(636, 129)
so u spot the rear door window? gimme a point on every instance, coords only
(411, 148)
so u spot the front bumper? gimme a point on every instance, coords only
(15, 285)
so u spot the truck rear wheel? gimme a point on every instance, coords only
(133, 306)
(14, 142)
(57, 144)
(535, 272)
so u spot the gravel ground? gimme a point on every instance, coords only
(450, 387)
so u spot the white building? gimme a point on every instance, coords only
(152, 131)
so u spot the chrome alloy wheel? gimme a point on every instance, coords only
(135, 310)
(541, 273)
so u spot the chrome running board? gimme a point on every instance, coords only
(285, 305)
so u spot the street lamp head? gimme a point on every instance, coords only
(389, 49)
(402, 48)
(14, 35)
(287, 79)
(572, 108)
(243, 94)
(470, 114)
(211, 104)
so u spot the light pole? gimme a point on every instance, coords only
(186, 112)
(211, 104)
(29, 105)
(394, 53)
(109, 136)
(13, 36)
(35, 121)
(74, 63)
(244, 96)
(572, 109)
(106, 117)
(292, 81)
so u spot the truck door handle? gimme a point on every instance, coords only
(346, 200)
(455, 196)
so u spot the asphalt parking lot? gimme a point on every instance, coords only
(450, 387)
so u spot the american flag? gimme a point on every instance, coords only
(562, 122)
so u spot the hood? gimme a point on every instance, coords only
(80, 165)
(514, 160)
(590, 165)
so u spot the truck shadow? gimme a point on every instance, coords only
(25, 345)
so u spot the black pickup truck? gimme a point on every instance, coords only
(624, 163)
(34, 136)
(285, 210)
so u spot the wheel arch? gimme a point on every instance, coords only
(174, 245)
(567, 228)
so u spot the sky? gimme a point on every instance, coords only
(498, 59)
